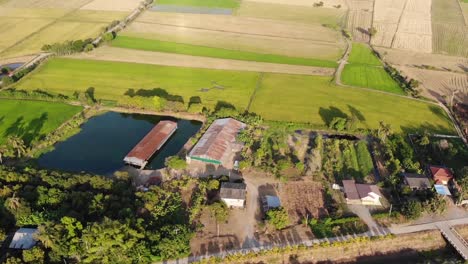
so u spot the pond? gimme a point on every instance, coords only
(104, 141)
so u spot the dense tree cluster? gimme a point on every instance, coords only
(68, 47)
(94, 219)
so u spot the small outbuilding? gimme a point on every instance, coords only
(270, 202)
(365, 194)
(417, 181)
(24, 238)
(233, 194)
(442, 189)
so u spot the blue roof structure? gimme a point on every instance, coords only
(442, 189)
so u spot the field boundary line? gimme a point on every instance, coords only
(257, 87)
(55, 20)
(241, 33)
(399, 22)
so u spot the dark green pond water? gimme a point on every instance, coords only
(104, 141)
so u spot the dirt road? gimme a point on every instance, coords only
(169, 59)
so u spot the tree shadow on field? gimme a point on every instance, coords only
(438, 129)
(363, 31)
(438, 111)
(224, 105)
(356, 113)
(327, 115)
(27, 131)
(154, 92)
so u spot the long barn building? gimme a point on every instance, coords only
(151, 143)
(218, 145)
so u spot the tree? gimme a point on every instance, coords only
(338, 123)
(384, 131)
(33, 255)
(176, 163)
(16, 144)
(7, 80)
(220, 212)
(424, 140)
(89, 47)
(278, 218)
(412, 209)
(108, 36)
(372, 31)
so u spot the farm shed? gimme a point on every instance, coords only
(365, 194)
(270, 202)
(24, 238)
(151, 143)
(440, 175)
(218, 145)
(233, 194)
(442, 189)
(417, 181)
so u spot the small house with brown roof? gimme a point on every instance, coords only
(417, 181)
(365, 194)
(233, 194)
(441, 175)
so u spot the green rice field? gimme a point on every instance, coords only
(31, 120)
(204, 3)
(280, 97)
(366, 70)
(315, 100)
(195, 50)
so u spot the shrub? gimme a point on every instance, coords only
(175, 163)
(278, 218)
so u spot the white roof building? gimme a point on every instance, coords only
(24, 238)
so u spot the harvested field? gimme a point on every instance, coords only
(436, 84)
(16, 59)
(366, 5)
(195, 50)
(112, 5)
(359, 22)
(205, 3)
(57, 32)
(14, 29)
(237, 41)
(112, 80)
(414, 42)
(94, 16)
(302, 199)
(409, 58)
(447, 11)
(171, 59)
(32, 120)
(326, 3)
(59, 4)
(32, 13)
(301, 14)
(384, 35)
(450, 39)
(464, 7)
(314, 100)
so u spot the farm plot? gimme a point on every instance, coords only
(316, 101)
(205, 3)
(31, 120)
(370, 77)
(384, 35)
(359, 22)
(14, 29)
(385, 21)
(326, 3)
(244, 34)
(112, 80)
(302, 199)
(464, 7)
(333, 17)
(180, 60)
(59, 4)
(437, 84)
(187, 49)
(450, 31)
(112, 5)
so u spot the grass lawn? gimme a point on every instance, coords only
(204, 3)
(112, 80)
(32, 119)
(361, 54)
(366, 70)
(370, 77)
(314, 100)
(195, 50)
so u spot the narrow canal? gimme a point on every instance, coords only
(104, 141)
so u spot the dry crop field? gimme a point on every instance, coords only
(302, 199)
(26, 25)
(359, 19)
(282, 37)
(404, 25)
(326, 3)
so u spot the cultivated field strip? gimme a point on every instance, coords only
(171, 59)
(112, 5)
(436, 84)
(68, 4)
(326, 3)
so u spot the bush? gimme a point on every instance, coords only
(175, 163)
(278, 218)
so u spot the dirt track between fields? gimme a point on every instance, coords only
(169, 59)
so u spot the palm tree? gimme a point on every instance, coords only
(17, 144)
(384, 131)
(13, 203)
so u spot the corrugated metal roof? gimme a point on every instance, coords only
(217, 139)
(23, 238)
(442, 189)
(231, 190)
(151, 143)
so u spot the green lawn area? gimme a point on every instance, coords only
(31, 120)
(366, 70)
(204, 3)
(361, 54)
(112, 80)
(188, 49)
(370, 77)
(315, 100)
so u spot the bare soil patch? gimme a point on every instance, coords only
(112, 5)
(302, 199)
(170, 59)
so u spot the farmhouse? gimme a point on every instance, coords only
(365, 194)
(24, 238)
(233, 194)
(416, 181)
(440, 175)
(218, 145)
(151, 143)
